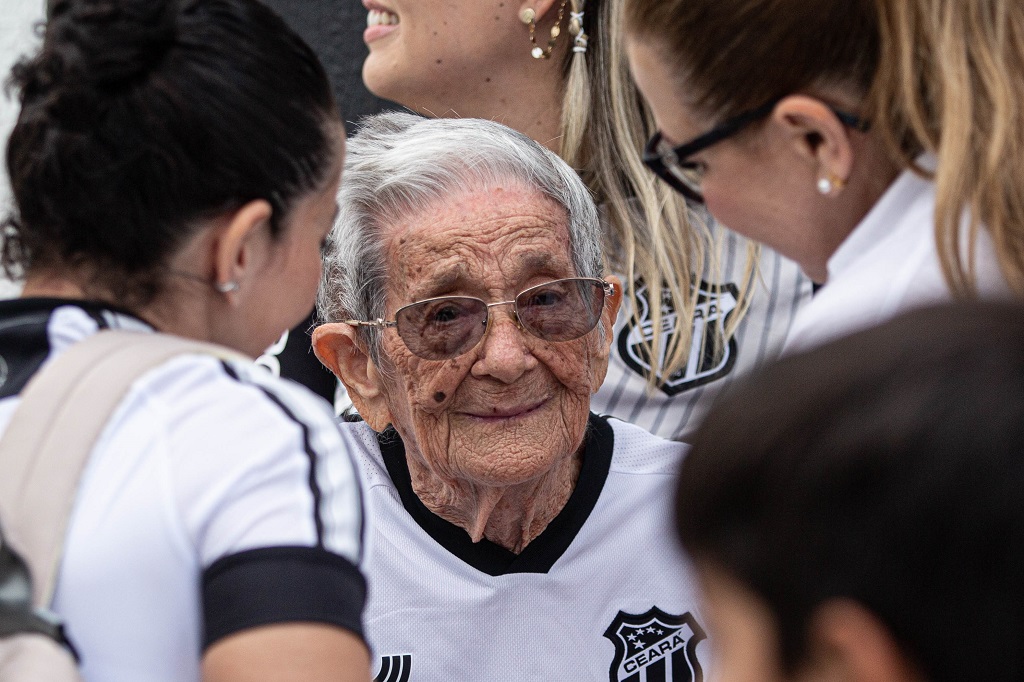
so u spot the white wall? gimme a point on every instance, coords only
(17, 37)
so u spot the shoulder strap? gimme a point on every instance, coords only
(63, 411)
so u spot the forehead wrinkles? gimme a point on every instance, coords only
(474, 241)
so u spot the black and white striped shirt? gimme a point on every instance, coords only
(674, 409)
(218, 498)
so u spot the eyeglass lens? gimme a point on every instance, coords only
(685, 177)
(446, 327)
(688, 174)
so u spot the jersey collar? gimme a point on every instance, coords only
(542, 553)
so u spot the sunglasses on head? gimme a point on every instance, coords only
(448, 326)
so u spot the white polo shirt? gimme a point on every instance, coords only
(217, 499)
(603, 593)
(888, 265)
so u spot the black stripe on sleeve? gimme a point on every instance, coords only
(314, 487)
(281, 585)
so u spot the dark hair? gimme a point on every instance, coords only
(888, 468)
(141, 118)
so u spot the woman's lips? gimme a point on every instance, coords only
(380, 22)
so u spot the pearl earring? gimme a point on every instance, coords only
(226, 287)
(830, 183)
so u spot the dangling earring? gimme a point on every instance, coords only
(529, 16)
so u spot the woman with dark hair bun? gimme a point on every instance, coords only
(174, 169)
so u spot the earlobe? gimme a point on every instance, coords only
(608, 316)
(540, 8)
(240, 246)
(338, 348)
(611, 306)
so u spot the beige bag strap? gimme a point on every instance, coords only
(63, 411)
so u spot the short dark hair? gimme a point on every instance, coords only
(141, 118)
(888, 468)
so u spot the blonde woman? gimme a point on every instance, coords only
(879, 144)
(696, 311)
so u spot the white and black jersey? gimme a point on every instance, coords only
(604, 593)
(890, 264)
(673, 410)
(218, 498)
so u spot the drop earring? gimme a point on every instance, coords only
(529, 16)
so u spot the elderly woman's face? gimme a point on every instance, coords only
(507, 410)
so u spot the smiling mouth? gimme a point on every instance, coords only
(380, 17)
(506, 413)
(379, 22)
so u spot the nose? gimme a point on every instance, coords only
(504, 353)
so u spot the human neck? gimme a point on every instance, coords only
(510, 516)
(527, 99)
(180, 308)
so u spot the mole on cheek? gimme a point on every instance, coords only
(439, 396)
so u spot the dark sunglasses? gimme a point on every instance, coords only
(448, 326)
(671, 164)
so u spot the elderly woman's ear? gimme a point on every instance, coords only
(611, 310)
(337, 347)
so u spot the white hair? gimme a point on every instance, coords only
(399, 163)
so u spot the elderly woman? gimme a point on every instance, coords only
(694, 315)
(515, 535)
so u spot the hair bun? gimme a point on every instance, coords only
(108, 43)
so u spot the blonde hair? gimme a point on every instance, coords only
(652, 234)
(941, 76)
(953, 85)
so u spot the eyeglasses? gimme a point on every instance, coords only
(448, 326)
(671, 164)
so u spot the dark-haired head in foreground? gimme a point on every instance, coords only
(146, 128)
(177, 163)
(858, 508)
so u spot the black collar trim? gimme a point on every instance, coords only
(47, 304)
(486, 556)
(25, 340)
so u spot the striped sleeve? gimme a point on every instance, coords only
(273, 506)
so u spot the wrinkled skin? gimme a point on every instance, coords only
(493, 436)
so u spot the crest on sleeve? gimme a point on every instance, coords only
(655, 647)
(709, 358)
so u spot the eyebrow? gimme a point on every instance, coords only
(449, 280)
(445, 281)
(535, 261)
